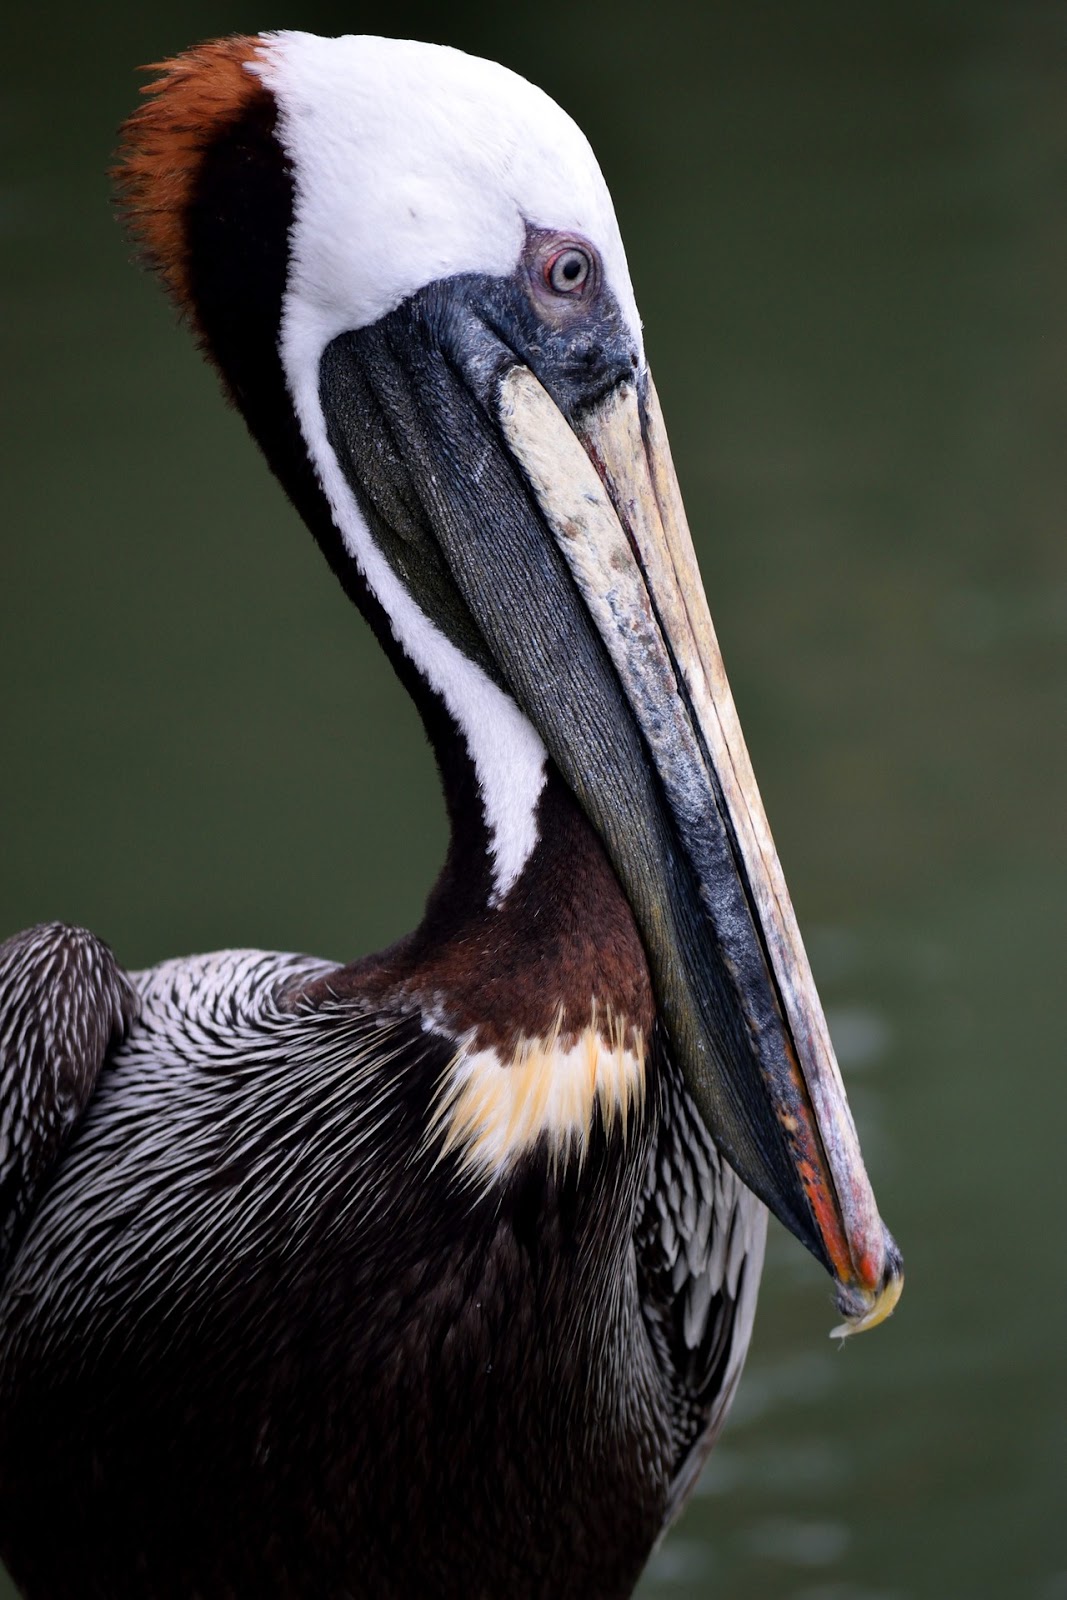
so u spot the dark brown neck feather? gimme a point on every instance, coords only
(562, 946)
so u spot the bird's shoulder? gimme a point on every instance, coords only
(197, 1006)
(245, 1039)
(248, 1104)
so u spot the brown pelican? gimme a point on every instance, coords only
(431, 1274)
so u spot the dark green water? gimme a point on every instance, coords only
(847, 233)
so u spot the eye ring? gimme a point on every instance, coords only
(569, 271)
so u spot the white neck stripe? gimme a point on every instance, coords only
(508, 756)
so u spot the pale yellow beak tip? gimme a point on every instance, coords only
(882, 1307)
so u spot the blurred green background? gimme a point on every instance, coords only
(848, 235)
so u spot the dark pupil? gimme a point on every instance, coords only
(572, 266)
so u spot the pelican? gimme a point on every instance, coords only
(432, 1273)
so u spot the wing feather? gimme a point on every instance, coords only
(699, 1242)
(64, 1003)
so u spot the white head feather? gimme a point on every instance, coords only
(414, 162)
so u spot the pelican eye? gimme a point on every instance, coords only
(569, 270)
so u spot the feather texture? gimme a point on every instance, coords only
(254, 1280)
(63, 1003)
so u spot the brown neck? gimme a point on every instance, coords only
(561, 948)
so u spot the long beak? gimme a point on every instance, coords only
(556, 553)
(611, 498)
